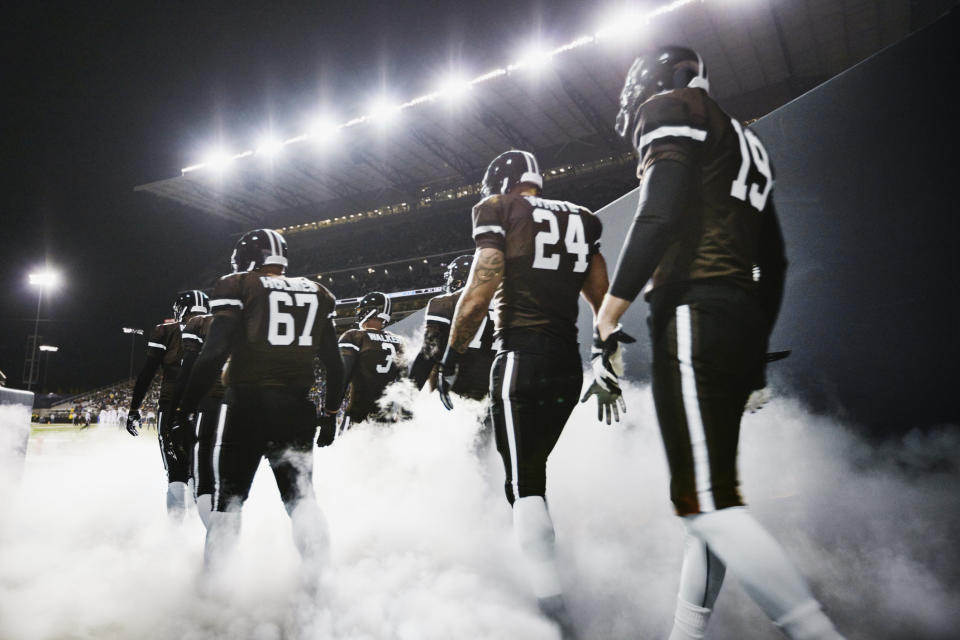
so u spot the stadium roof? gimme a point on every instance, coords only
(759, 54)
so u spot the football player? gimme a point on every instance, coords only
(535, 257)
(371, 358)
(272, 327)
(165, 351)
(707, 234)
(473, 377)
(194, 333)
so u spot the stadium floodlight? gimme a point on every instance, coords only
(42, 280)
(218, 161)
(383, 111)
(454, 88)
(269, 147)
(46, 279)
(138, 332)
(324, 130)
(535, 58)
(49, 347)
(631, 21)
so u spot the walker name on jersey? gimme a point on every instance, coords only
(379, 337)
(552, 205)
(293, 284)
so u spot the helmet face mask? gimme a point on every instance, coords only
(455, 277)
(508, 169)
(258, 248)
(373, 305)
(654, 72)
(191, 301)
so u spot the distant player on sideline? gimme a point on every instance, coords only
(194, 333)
(473, 377)
(534, 259)
(371, 357)
(271, 326)
(707, 233)
(165, 349)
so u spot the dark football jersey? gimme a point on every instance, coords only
(547, 245)
(473, 376)
(166, 343)
(720, 238)
(194, 333)
(282, 321)
(375, 367)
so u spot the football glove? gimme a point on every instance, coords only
(447, 375)
(179, 438)
(327, 422)
(133, 422)
(607, 362)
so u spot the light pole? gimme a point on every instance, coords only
(45, 279)
(48, 349)
(133, 337)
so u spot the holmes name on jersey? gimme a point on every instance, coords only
(291, 284)
(552, 205)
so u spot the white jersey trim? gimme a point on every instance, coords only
(226, 302)
(349, 345)
(157, 345)
(672, 132)
(192, 336)
(438, 319)
(489, 228)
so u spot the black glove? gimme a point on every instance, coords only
(133, 422)
(328, 428)
(607, 364)
(180, 437)
(447, 375)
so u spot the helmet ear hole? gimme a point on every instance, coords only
(683, 76)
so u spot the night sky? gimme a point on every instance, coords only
(101, 97)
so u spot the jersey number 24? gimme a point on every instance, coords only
(575, 240)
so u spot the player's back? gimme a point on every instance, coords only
(375, 367)
(281, 320)
(547, 246)
(730, 196)
(166, 341)
(473, 376)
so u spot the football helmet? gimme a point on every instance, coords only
(510, 168)
(190, 301)
(373, 305)
(654, 72)
(257, 248)
(455, 277)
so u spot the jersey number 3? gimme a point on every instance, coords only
(575, 240)
(751, 149)
(283, 326)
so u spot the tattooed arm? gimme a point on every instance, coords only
(485, 277)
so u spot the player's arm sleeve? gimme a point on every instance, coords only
(349, 352)
(329, 352)
(227, 307)
(663, 195)
(488, 226)
(216, 349)
(192, 344)
(156, 348)
(772, 262)
(436, 331)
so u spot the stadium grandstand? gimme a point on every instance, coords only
(382, 201)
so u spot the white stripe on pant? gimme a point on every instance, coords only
(691, 407)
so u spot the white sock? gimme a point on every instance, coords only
(176, 500)
(700, 580)
(534, 531)
(204, 508)
(311, 536)
(223, 533)
(808, 622)
(757, 560)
